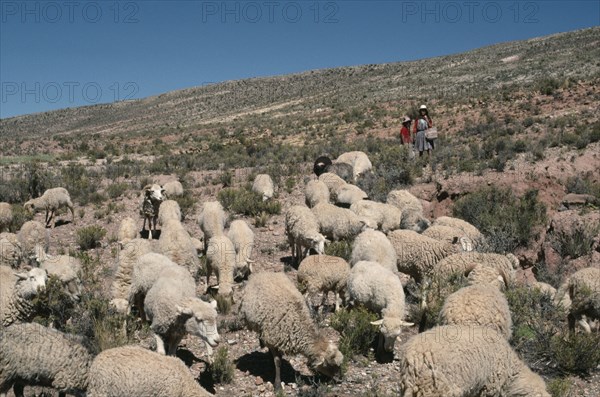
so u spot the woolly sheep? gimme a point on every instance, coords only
(16, 292)
(133, 371)
(10, 250)
(580, 295)
(385, 217)
(51, 201)
(242, 238)
(150, 199)
(128, 255)
(212, 220)
(6, 216)
(263, 185)
(33, 355)
(65, 268)
(478, 305)
(412, 210)
(176, 244)
(359, 160)
(372, 245)
(380, 290)
(337, 223)
(302, 230)
(333, 183)
(169, 209)
(469, 230)
(448, 234)
(127, 230)
(465, 262)
(275, 309)
(323, 273)
(460, 361)
(199, 245)
(486, 275)
(348, 194)
(343, 170)
(173, 310)
(418, 254)
(316, 192)
(173, 189)
(544, 288)
(31, 235)
(221, 258)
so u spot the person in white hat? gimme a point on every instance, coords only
(405, 131)
(422, 123)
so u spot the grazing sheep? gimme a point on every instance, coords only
(323, 273)
(33, 355)
(51, 201)
(544, 288)
(461, 361)
(263, 185)
(275, 309)
(448, 234)
(412, 210)
(580, 295)
(176, 244)
(242, 238)
(465, 262)
(133, 371)
(348, 194)
(374, 246)
(173, 189)
(221, 258)
(380, 291)
(10, 250)
(385, 217)
(199, 245)
(31, 235)
(337, 223)
(486, 275)
(65, 268)
(6, 216)
(302, 230)
(343, 170)
(333, 183)
(478, 305)
(169, 209)
(418, 254)
(16, 292)
(127, 257)
(316, 192)
(127, 230)
(212, 220)
(150, 199)
(469, 230)
(358, 160)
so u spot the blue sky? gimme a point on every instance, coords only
(57, 54)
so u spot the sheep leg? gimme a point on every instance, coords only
(53, 219)
(72, 213)
(277, 361)
(18, 389)
(160, 345)
(585, 325)
(61, 394)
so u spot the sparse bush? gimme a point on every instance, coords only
(342, 249)
(89, 237)
(548, 85)
(186, 203)
(261, 219)
(116, 190)
(247, 202)
(358, 334)
(54, 306)
(560, 387)
(222, 369)
(575, 243)
(576, 353)
(20, 216)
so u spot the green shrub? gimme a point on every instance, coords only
(117, 189)
(247, 202)
(342, 249)
(576, 353)
(89, 237)
(548, 85)
(358, 334)
(54, 306)
(560, 387)
(186, 203)
(576, 243)
(222, 369)
(261, 219)
(20, 216)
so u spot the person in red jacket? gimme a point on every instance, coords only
(422, 123)
(405, 135)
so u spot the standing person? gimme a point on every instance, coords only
(422, 123)
(405, 131)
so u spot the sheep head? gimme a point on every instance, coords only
(154, 192)
(318, 243)
(390, 328)
(32, 281)
(203, 322)
(327, 359)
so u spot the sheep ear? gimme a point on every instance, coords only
(21, 276)
(377, 323)
(406, 324)
(213, 303)
(250, 267)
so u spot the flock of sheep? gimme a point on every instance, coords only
(467, 355)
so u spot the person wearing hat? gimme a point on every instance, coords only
(405, 131)
(422, 123)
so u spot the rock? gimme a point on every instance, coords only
(573, 200)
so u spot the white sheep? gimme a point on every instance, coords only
(263, 185)
(460, 361)
(482, 274)
(580, 295)
(242, 238)
(544, 288)
(418, 254)
(333, 183)
(133, 371)
(469, 230)
(31, 235)
(51, 201)
(127, 230)
(176, 244)
(212, 220)
(6, 216)
(385, 217)
(302, 230)
(348, 194)
(323, 273)
(16, 292)
(150, 199)
(343, 170)
(412, 210)
(358, 160)
(127, 256)
(173, 189)
(169, 209)
(33, 355)
(372, 245)
(10, 250)
(465, 262)
(478, 305)
(316, 192)
(448, 234)
(338, 223)
(276, 310)
(380, 291)
(221, 259)
(65, 268)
